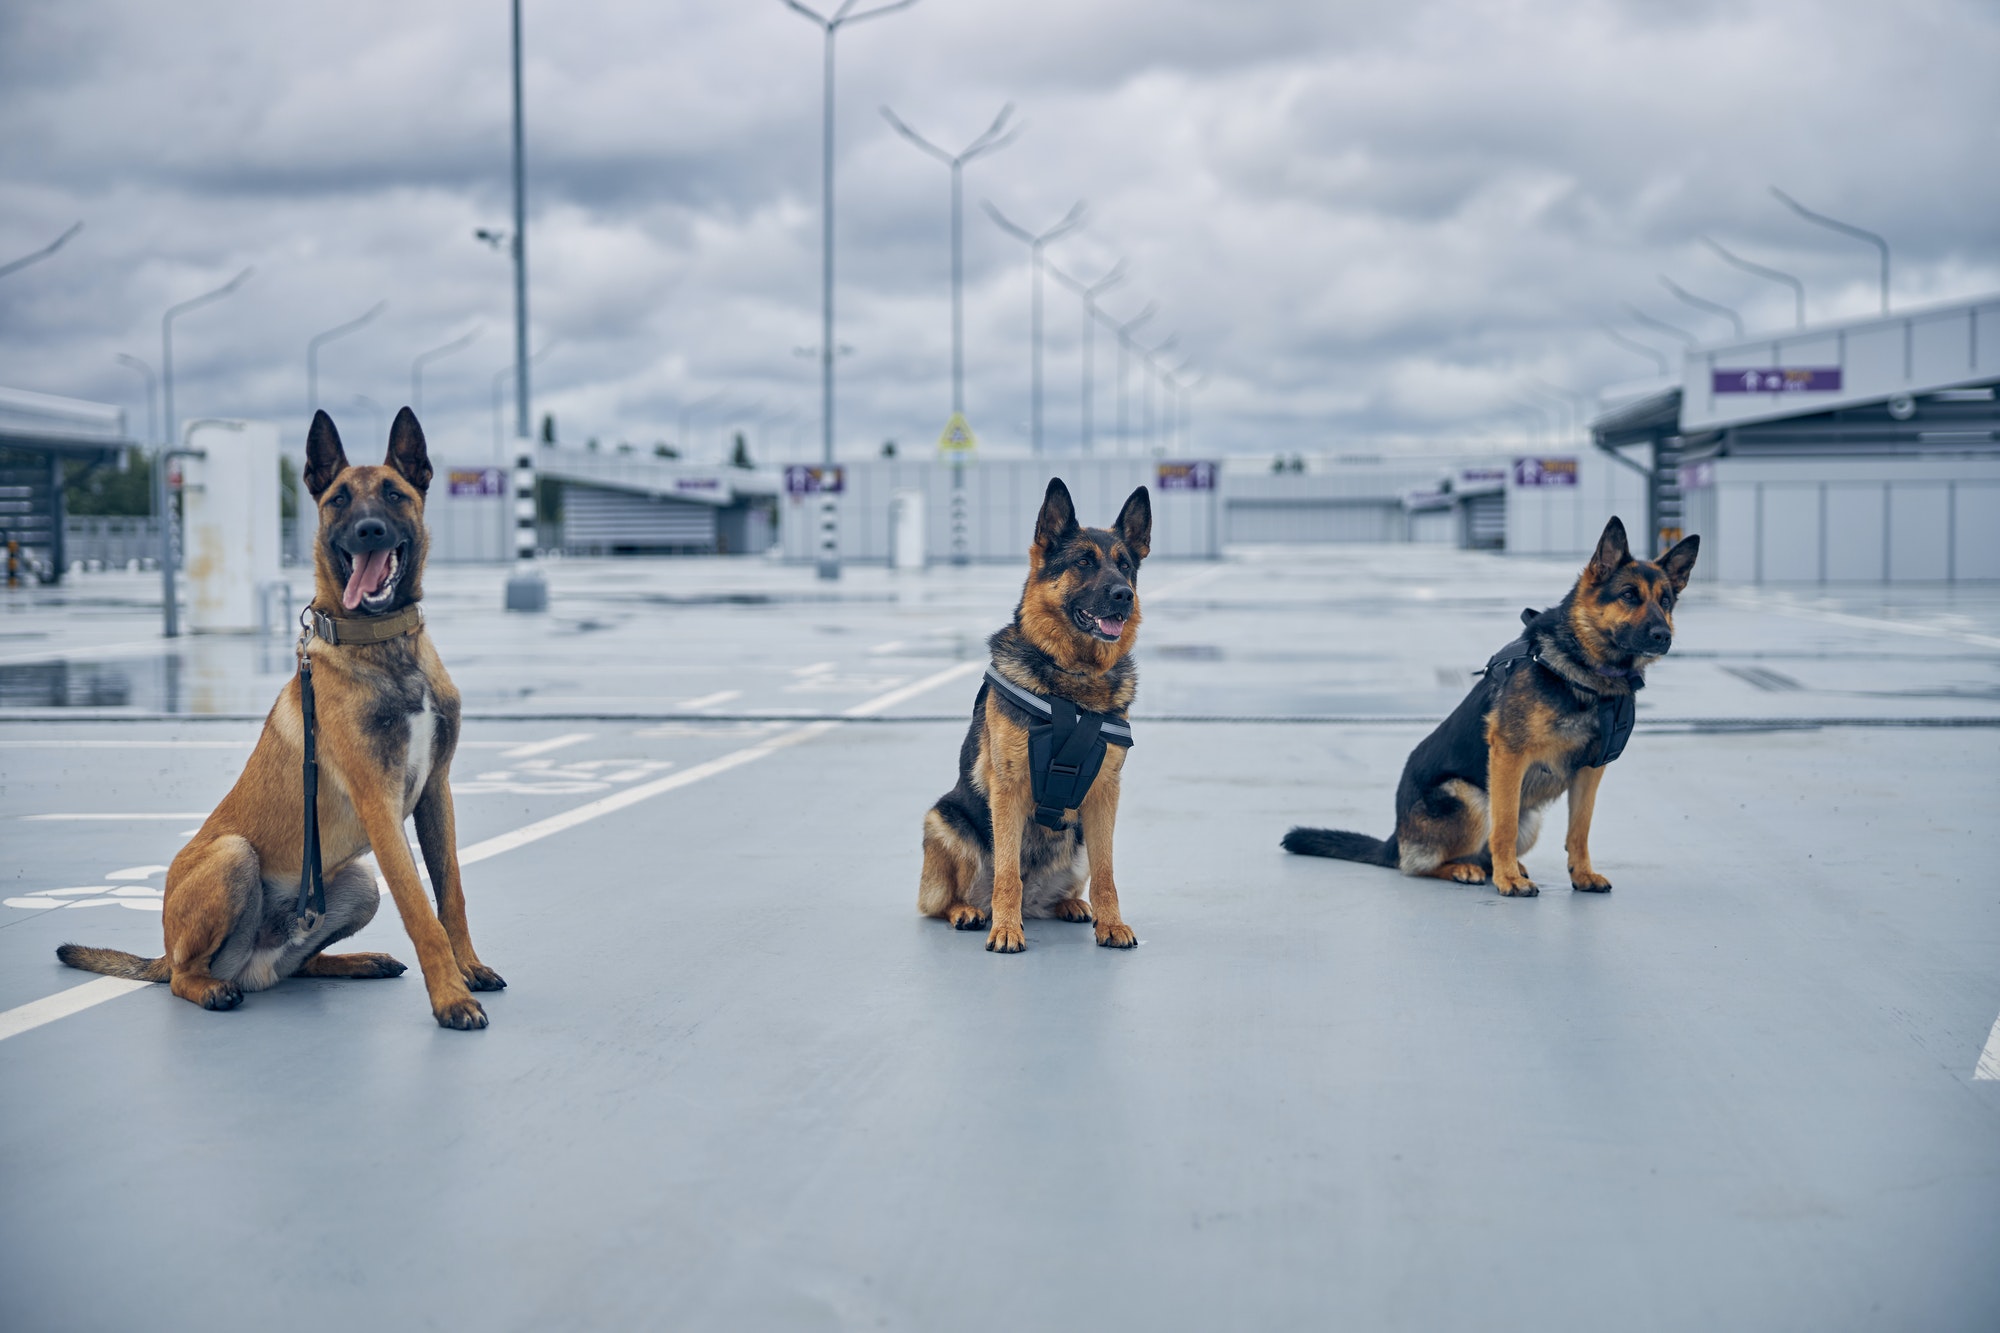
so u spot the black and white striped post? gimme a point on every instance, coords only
(526, 590)
(829, 535)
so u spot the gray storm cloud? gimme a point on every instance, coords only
(1367, 224)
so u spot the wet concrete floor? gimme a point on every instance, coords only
(735, 1082)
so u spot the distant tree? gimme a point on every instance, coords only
(740, 455)
(591, 444)
(126, 491)
(665, 450)
(549, 428)
(624, 446)
(888, 448)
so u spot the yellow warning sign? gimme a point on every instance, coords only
(958, 437)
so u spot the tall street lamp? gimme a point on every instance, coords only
(1125, 332)
(1152, 367)
(58, 243)
(1686, 297)
(1035, 242)
(996, 136)
(829, 552)
(319, 340)
(1635, 312)
(1089, 291)
(1845, 229)
(1775, 275)
(152, 394)
(1634, 346)
(525, 589)
(422, 359)
(169, 448)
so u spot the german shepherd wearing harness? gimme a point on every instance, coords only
(387, 726)
(1471, 798)
(985, 855)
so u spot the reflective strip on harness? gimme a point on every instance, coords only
(1065, 748)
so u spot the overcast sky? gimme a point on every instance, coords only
(1369, 224)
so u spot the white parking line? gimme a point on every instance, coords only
(533, 748)
(1989, 1059)
(78, 998)
(715, 700)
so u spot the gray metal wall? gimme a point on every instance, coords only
(598, 520)
(1003, 497)
(1850, 520)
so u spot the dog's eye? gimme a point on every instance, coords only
(340, 498)
(1631, 597)
(1666, 600)
(392, 495)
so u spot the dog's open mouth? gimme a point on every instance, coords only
(1107, 628)
(371, 578)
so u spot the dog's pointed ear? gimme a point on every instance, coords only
(1057, 522)
(407, 453)
(325, 459)
(1612, 552)
(1135, 523)
(1679, 562)
(1529, 615)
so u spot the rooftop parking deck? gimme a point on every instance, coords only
(736, 1082)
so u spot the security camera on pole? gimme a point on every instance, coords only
(525, 589)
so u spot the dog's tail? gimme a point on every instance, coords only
(115, 963)
(1343, 846)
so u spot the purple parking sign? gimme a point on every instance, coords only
(1817, 379)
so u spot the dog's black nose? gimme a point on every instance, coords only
(372, 532)
(1121, 597)
(1660, 637)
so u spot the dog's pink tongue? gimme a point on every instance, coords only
(370, 572)
(1111, 626)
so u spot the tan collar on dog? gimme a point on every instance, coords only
(369, 629)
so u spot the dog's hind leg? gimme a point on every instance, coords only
(1444, 835)
(213, 914)
(351, 900)
(945, 886)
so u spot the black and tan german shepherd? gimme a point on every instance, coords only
(387, 727)
(1071, 638)
(1472, 793)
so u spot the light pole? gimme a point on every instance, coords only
(1775, 275)
(423, 359)
(319, 340)
(1089, 291)
(1070, 222)
(58, 243)
(996, 136)
(169, 448)
(1687, 297)
(1146, 354)
(152, 394)
(1845, 229)
(1124, 332)
(1635, 312)
(829, 544)
(500, 383)
(1634, 346)
(526, 590)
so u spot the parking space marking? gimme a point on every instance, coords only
(1989, 1059)
(75, 1000)
(533, 748)
(27, 1017)
(715, 700)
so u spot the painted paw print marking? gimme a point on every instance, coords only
(546, 777)
(137, 897)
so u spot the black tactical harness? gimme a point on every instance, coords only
(1065, 748)
(1615, 712)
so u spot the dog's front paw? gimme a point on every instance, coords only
(1071, 909)
(1116, 935)
(964, 916)
(1589, 882)
(462, 1015)
(481, 977)
(1005, 937)
(1514, 884)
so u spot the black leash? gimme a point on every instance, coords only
(312, 885)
